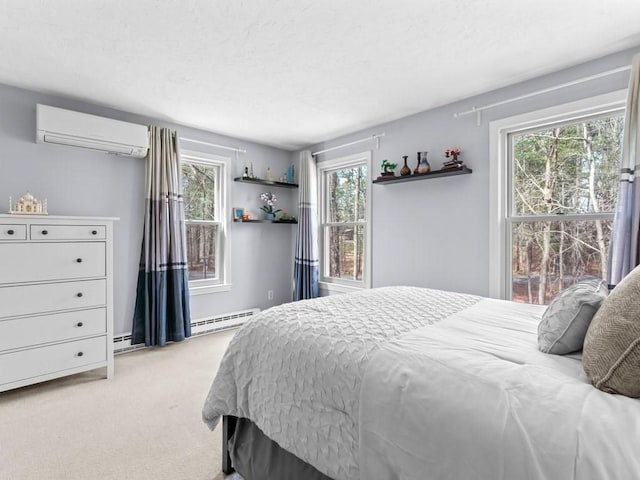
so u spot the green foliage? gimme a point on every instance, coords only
(388, 166)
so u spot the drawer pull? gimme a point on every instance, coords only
(79, 324)
(94, 232)
(44, 232)
(78, 260)
(79, 294)
(80, 354)
(10, 232)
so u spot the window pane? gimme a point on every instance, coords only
(198, 189)
(568, 169)
(346, 251)
(548, 257)
(347, 194)
(201, 250)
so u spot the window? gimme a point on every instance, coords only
(344, 218)
(204, 186)
(558, 198)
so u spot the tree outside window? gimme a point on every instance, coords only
(344, 216)
(201, 193)
(346, 222)
(563, 193)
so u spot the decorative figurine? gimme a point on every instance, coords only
(405, 170)
(246, 172)
(28, 205)
(251, 171)
(453, 154)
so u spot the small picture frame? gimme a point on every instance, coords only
(237, 214)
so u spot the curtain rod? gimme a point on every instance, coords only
(372, 137)
(479, 110)
(233, 149)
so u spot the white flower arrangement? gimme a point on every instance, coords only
(270, 201)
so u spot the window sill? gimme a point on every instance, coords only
(329, 288)
(206, 289)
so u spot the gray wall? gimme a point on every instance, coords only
(435, 233)
(430, 233)
(82, 182)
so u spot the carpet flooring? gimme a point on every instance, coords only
(143, 424)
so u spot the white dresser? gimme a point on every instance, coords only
(56, 297)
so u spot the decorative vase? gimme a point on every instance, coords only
(423, 166)
(415, 171)
(404, 171)
(270, 216)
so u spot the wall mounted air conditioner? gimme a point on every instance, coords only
(66, 127)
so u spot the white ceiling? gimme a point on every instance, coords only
(291, 73)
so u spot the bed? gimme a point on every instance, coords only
(414, 383)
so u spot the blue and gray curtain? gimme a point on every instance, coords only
(162, 301)
(624, 255)
(306, 266)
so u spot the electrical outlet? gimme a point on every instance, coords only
(270, 295)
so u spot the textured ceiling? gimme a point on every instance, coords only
(291, 73)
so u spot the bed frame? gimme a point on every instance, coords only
(228, 429)
(259, 454)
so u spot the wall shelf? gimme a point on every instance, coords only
(265, 221)
(424, 176)
(260, 181)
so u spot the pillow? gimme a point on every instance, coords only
(566, 320)
(611, 355)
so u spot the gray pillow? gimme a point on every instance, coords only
(611, 355)
(565, 322)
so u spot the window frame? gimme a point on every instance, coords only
(329, 285)
(222, 282)
(500, 174)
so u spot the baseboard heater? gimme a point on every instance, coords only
(122, 343)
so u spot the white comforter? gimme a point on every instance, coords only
(413, 383)
(296, 370)
(473, 398)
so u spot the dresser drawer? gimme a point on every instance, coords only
(28, 331)
(34, 362)
(11, 231)
(34, 262)
(68, 232)
(51, 297)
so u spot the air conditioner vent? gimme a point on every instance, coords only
(76, 129)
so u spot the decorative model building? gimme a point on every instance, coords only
(28, 205)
